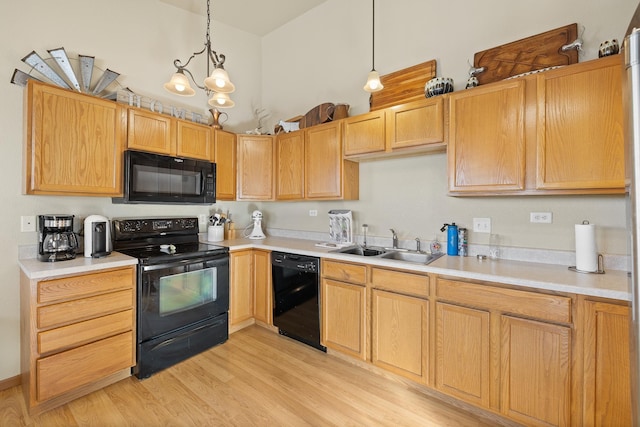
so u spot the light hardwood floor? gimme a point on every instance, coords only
(257, 378)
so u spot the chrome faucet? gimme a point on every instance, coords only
(417, 244)
(394, 239)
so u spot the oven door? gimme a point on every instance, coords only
(175, 295)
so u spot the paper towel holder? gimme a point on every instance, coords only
(600, 269)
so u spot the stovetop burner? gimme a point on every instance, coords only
(155, 241)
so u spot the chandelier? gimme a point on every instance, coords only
(217, 84)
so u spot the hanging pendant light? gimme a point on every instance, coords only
(373, 79)
(216, 83)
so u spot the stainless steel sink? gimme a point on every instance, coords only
(388, 253)
(414, 257)
(359, 250)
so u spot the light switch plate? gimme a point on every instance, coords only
(482, 225)
(27, 223)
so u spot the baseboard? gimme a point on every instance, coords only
(10, 382)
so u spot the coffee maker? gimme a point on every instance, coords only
(56, 239)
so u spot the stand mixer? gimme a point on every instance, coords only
(257, 233)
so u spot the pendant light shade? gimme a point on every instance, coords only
(219, 81)
(373, 79)
(373, 82)
(179, 84)
(221, 100)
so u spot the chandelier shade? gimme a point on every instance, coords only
(221, 100)
(219, 81)
(373, 79)
(179, 85)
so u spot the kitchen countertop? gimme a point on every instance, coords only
(39, 270)
(550, 277)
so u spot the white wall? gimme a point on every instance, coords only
(323, 56)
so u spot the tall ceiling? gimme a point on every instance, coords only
(258, 17)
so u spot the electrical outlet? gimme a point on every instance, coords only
(27, 223)
(313, 212)
(482, 225)
(541, 217)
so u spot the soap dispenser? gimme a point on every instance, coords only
(452, 238)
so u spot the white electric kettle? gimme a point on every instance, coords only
(97, 236)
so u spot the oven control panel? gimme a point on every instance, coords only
(156, 226)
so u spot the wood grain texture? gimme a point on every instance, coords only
(194, 140)
(403, 86)
(290, 165)
(400, 282)
(256, 378)
(255, 167)
(528, 54)
(364, 133)
(149, 131)
(225, 158)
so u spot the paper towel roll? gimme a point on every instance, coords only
(586, 250)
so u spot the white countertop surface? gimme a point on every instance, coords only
(613, 284)
(35, 269)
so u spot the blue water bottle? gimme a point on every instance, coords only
(452, 238)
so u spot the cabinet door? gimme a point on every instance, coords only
(74, 143)
(262, 284)
(240, 287)
(486, 149)
(364, 133)
(194, 140)
(290, 166)
(416, 123)
(580, 129)
(255, 167)
(399, 334)
(327, 175)
(607, 365)
(462, 353)
(344, 317)
(225, 158)
(149, 131)
(536, 366)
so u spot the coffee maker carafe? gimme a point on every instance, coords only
(56, 239)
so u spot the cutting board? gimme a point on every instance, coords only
(403, 86)
(532, 53)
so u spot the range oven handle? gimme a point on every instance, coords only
(184, 262)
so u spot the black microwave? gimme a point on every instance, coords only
(158, 179)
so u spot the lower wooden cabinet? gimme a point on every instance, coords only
(536, 366)
(400, 334)
(241, 298)
(606, 365)
(77, 334)
(462, 352)
(263, 290)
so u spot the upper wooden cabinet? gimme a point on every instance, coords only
(255, 167)
(290, 169)
(555, 132)
(73, 143)
(327, 174)
(163, 134)
(580, 127)
(402, 129)
(225, 158)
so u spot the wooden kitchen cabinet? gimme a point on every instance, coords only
(580, 142)
(241, 289)
(327, 175)
(343, 294)
(606, 365)
(554, 132)
(507, 350)
(163, 134)
(77, 335)
(263, 290)
(486, 147)
(462, 352)
(73, 143)
(414, 127)
(225, 158)
(255, 173)
(290, 161)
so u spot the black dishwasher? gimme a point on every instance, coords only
(296, 304)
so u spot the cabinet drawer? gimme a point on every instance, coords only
(352, 273)
(83, 309)
(395, 281)
(84, 285)
(71, 369)
(85, 332)
(541, 306)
